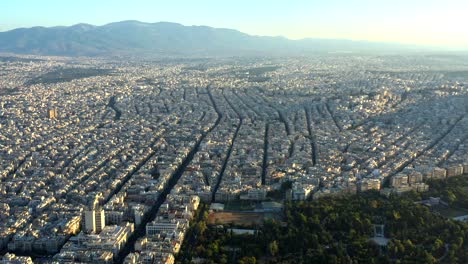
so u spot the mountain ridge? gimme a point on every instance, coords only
(134, 37)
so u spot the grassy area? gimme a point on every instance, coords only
(452, 212)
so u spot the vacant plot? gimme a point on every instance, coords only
(236, 218)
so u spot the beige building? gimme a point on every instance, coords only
(95, 221)
(52, 113)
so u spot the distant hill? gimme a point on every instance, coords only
(138, 38)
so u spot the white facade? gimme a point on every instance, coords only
(95, 221)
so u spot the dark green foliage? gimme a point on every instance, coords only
(65, 75)
(454, 190)
(337, 230)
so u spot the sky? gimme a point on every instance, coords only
(426, 22)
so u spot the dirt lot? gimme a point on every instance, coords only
(236, 218)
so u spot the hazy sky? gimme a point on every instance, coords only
(431, 22)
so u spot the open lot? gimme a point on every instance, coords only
(236, 218)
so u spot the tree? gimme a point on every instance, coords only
(398, 248)
(273, 248)
(247, 260)
(408, 244)
(224, 259)
(338, 230)
(451, 197)
(200, 228)
(438, 244)
(205, 216)
(428, 258)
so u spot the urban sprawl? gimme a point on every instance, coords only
(107, 160)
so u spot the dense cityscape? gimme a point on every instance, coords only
(109, 160)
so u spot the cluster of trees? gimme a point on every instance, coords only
(454, 190)
(338, 230)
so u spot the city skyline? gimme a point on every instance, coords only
(433, 23)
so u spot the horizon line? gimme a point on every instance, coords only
(454, 48)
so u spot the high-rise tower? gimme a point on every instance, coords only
(95, 220)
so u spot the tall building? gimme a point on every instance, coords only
(95, 220)
(52, 113)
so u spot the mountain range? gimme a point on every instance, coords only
(165, 38)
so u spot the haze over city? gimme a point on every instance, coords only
(424, 22)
